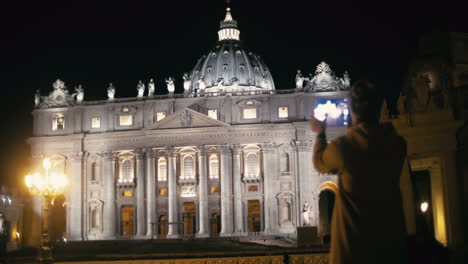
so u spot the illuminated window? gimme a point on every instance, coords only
(250, 113)
(96, 122)
(127, 193)
(58, 122)
(253, 188)
(214, 167)
(251, 165)
(213, 113)
(163, 192)
(125, 110)
(126, 171)
(188, 168)
(160, 116)
(126, 120)
(283, 112)
(214, 189)
(249, 103)
(162, 169)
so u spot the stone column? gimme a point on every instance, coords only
(150, 193)
(140, 193)
(173, 231)
(308, 178)
(75, 225)
(109, 219)
(269, 204)
(226, 191)
(236, 175)
(204, 218)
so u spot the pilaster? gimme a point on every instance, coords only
(150, 192)
(140, 192)
(173, 231)
(308, 180)
(269, 205)
(109, 219)
(226, 190)
(75, 223)
(236, 171)
(203, 193)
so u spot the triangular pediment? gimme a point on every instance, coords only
(186, 118)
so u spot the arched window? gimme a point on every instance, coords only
(162, 169)
(126, 171)
(214, 167)
(251, 165)
(188, 167)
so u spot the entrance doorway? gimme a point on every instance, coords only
(254, 216)
(424, 206)
(215, 223)
(128, 216)
(189, 218)
(163, 227)
(326, 203)
(57, 216)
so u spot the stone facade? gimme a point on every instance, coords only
(159, 167)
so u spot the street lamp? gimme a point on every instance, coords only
(48, 186)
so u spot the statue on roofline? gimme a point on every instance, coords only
(79, 94)
(151, 88)
(170, 85)
(299, 80)
(110, 92)
(140, 89)
(187, 82)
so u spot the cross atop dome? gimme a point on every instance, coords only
(228, 27)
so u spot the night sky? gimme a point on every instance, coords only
(95, 43)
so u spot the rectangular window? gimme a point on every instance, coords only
(163, 192)
(252, 188)
(58, 122)
(127, 193)
(125, 120)
(213, 113)
(96, 122)
(160, 116)
(214, 190)
(283, 112)
(250, 113)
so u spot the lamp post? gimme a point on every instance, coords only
(47, 186)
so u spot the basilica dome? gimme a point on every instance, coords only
(230, 67)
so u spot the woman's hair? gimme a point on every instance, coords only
(366, 102)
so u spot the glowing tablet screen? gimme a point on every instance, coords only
(336, 110)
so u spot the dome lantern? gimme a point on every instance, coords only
(228, 28)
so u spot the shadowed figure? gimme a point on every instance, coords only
(367, 223)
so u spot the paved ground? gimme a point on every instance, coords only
(165, 249)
